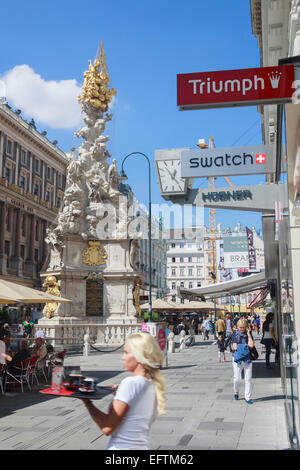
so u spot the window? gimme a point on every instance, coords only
(190, 259)
(47, 196)
(8, 224)
(8, 147)
(198, 259)
(173, 260)
(190, 285)
(199, 271)
(36, 189)
(48, 172)
(182, 284)
(182, 301)
(173, 272)
(36, 255)
(190, 271)
(181, 260)
(173, 245)
(23, 157)
(7, 174)
(23, 225)
(181, 271)
(7, 248)
(198, 284)
(181, 245)
(37, 164)
(173, 285)
(190, 245)
(22, 251)
(22, 181)
(37, 231)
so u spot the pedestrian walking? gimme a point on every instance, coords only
(195, 323)
(205, 328)
(220, 327)
(269, 339)
(257, 322)
(229, 331)
(221, 347)
(242, 340)
(138, 398)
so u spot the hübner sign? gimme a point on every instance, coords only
(235, 87)
(257, 159)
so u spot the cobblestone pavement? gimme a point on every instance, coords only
(202, 413)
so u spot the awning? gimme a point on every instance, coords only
(18, 293)
(158, 304)
(237, 286)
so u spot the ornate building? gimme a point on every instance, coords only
(32, 182)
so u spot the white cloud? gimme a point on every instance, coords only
(52, 103)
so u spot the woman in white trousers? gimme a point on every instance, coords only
(242, 336)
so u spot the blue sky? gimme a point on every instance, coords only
(147, 43)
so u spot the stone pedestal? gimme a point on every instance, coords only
(76, 279)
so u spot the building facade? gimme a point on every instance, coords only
(158, 257)
(189, 263)
(32, 181)
(185, 263)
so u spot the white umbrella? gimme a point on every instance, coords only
(19, 293)
(157, 304)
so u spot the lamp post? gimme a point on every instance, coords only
(124, 176)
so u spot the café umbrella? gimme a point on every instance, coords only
(19, 293)
(158, 304)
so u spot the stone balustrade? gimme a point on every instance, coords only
(99, 334)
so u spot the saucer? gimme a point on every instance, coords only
(85, 390)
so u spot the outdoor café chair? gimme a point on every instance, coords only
(20, 374)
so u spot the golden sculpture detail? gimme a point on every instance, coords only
(95, 86)
(136, 296)
(52, 288)
(94, 255)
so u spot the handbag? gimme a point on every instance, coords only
(254, 354)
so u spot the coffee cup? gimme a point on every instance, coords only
(89, 383)
(75, 379)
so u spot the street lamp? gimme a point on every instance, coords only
(124, 176)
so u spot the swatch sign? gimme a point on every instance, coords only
(229, 161)
(235, 87)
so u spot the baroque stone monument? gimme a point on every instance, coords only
(91, 256)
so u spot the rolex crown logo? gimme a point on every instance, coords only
(274, 78)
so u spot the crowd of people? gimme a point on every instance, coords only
(128, 421)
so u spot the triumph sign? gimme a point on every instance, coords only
(235, 87)
(228, 161)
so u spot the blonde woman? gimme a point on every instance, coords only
(241, 359)
(138, 398)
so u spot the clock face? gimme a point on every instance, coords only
(169, 173)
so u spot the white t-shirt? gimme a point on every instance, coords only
(267, 334)
(140, 394)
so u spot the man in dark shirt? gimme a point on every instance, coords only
(21, 355)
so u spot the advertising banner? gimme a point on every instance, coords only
(236, 252)
(251, 250)
(235, 87)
